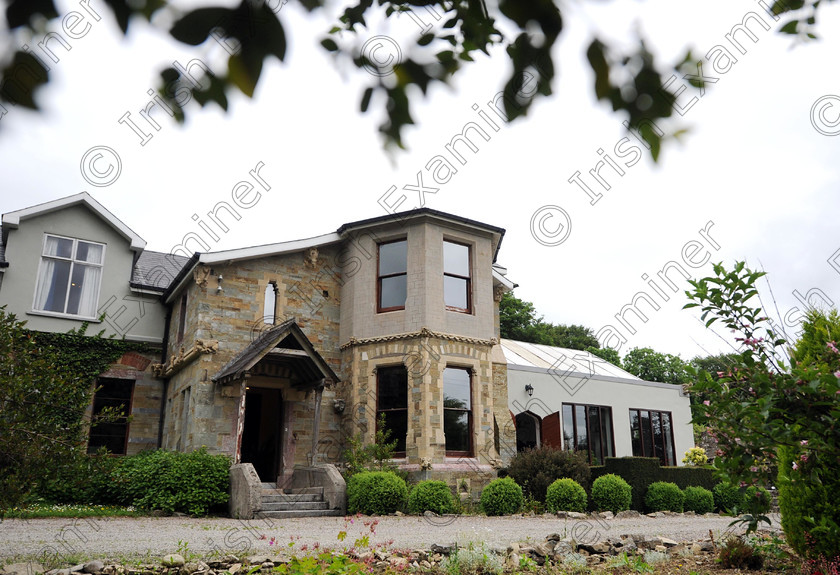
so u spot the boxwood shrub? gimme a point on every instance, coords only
(664, 496)
(699, 500)
(611, 493)
(376, 492)
(501, 497)
(565, 495)
(431, 496)
(727, 497)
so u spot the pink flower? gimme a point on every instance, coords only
(830, 345)
(837, 374)
(804, 458)
(707, 402)
(794, 465)
(754, 469)
(803, 442)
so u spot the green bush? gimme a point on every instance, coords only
(170, 481)
(536, 469)
(85, 479)
(727, 497)
(664, 496)
(611, 493)
(565, 495)
(810, 510)
(699, 500)
(501, 497)
(756, 501)
(376, 492)
(431, 496)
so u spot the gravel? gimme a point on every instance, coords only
(131, 537)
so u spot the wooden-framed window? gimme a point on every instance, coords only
(392, 276)
(113, 432)
(589, 428)
(392, 402)
(457, 410)
(69, 277)
(457, 284)
(652, 435)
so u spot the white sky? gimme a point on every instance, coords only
(752, 163)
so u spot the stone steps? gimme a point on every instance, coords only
(288, 503)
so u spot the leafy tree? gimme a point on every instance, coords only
(253, 31)
(650, 365)
(768, 414)
(517, 320)
(715, 365)
(608, 354)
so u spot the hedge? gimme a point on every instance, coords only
(640, 472)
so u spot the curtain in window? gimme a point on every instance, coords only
(89, 290)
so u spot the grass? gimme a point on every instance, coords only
(41, 509)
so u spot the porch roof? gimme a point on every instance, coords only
(302, 356)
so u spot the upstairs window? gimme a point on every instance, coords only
(270, 303)
(111, 431)
(392, 275)
(69, 277)
(456, 277)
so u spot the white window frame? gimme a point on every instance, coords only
(73, 262)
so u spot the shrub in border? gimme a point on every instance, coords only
(565, 495)
(664, 496)
(501, 497)
(432, 496)
(698, 499)
(727, 497)
(376, 492)
(611, 492)
(536, 469)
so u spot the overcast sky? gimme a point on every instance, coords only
(755, 178)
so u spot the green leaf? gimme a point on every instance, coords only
(329, 44)
(366, 99)
(195, 27)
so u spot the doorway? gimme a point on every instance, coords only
(261, 433)
(527, 431)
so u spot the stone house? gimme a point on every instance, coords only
(277, 354)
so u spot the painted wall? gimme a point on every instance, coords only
(424, 305)
(551, 393)
(23, 252)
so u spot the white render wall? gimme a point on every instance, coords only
(551, 391)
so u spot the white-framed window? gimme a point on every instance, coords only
(69, 277)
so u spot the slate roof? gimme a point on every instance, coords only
(156, 270)
(309, 364)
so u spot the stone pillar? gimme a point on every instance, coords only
(316, 424)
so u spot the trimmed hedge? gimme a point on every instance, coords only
(376, 492)
(699, 500)
(565, 495)
(501, 497)
(431, 496)
(611, 493)
(664, 496)
(640, 472)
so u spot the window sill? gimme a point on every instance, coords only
(63, 316)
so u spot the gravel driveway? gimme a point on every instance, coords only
(130, 537)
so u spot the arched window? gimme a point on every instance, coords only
(270, 303)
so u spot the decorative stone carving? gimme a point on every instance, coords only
(425, 464)
(310, 259)
(184, 356)
(207, 345)
(200, 275)
(498, 292)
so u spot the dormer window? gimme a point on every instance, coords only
(392, 275)
(69, 277)
(456, 277)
